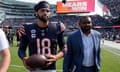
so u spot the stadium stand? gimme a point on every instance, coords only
(15, 13)
(113, 6)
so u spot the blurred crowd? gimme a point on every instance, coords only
(113, 6)
(111, 34)
(71, 23)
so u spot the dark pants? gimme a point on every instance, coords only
(89, 69)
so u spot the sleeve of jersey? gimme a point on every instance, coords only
(23, 45)
(60, 37)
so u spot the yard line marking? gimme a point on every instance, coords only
(112, 52)
(17, 66)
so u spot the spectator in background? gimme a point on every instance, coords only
(18, 34)
(4, 52)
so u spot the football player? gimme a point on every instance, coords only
(42, 37)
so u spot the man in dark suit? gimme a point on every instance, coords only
(83, 53)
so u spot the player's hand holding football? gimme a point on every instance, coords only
(51, 59)
(24, 62)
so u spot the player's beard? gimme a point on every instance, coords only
(42, 18)
(86, 29)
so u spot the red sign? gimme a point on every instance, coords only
(76, 6)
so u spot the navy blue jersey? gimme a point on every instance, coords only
(41, 40)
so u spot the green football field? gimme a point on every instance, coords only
(110, 60)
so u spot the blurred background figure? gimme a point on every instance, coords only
(18, 35)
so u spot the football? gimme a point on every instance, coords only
(37, 61)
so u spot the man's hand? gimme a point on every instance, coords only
(22, 30)
(24, 62)
(51, 59)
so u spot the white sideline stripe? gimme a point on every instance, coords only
(17, 66)
(112, 52)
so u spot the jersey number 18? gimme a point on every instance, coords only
(45, 44)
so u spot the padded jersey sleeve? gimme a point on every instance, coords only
(60, 36)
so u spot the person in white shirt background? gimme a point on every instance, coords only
(4, 52)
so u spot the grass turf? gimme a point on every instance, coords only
(110, 61)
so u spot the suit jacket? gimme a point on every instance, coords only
(74, 56)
